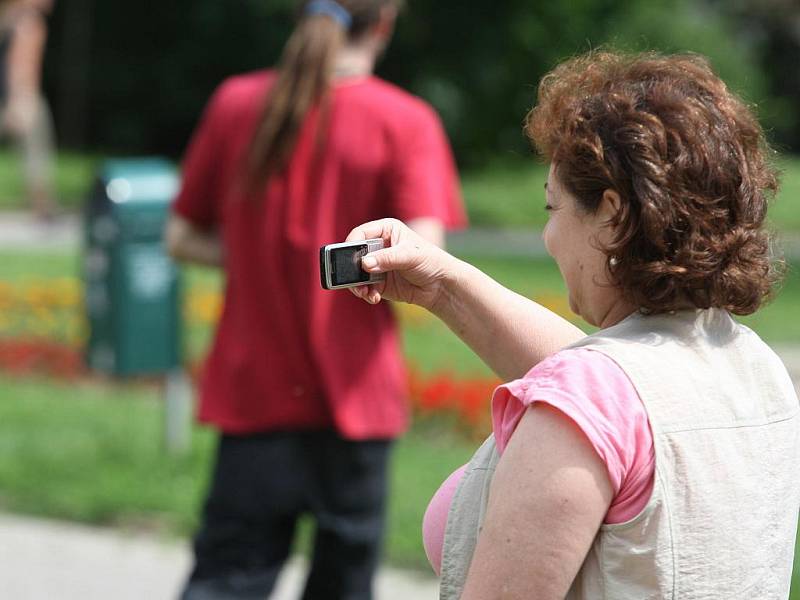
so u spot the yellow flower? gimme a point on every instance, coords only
(203, 306)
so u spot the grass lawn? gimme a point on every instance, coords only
(92, 452)
(73, 177)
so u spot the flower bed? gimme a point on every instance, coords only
(25, 356)
(43, 331)
(463, 400)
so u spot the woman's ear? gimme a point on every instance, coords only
(610, 206)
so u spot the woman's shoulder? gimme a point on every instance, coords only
(593, 392)
(574, 364)
(584, 383)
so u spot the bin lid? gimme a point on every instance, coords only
(140, 180)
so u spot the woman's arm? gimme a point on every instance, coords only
(509, 332)
(187, 242)
(548, 498)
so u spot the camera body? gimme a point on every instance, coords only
(340, 264)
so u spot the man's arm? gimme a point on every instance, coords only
(429, 229)
(188, 243)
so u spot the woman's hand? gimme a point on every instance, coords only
(416, 270)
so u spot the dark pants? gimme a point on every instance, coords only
(261, 485)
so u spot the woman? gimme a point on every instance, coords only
(25, 114)
(283, 162)
(656, 458)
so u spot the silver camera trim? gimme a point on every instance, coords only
(372, 245)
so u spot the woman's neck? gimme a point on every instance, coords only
(615, 312)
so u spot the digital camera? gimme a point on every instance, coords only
(340, 264)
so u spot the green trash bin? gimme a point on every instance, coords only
(132, 287)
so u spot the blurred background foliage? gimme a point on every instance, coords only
(133, 77)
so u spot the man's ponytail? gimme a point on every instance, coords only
(304, 76)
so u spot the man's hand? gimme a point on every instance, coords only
(186, 242)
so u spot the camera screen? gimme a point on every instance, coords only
(346, 265)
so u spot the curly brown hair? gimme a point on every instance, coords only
(690, 163)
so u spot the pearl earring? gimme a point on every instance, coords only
(613, 261)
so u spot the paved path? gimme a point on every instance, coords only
(43, 560)
(20, 231)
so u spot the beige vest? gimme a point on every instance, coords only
(722, 519)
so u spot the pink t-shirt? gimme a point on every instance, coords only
(593, 391)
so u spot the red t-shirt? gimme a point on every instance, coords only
(287, 354)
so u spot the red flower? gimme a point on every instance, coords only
(438, 393)
(26, 356)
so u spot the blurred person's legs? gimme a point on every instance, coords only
(255, 497)
(37, 146)
(348, 504)
(261, 484)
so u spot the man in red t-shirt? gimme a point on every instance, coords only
(306, 386)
